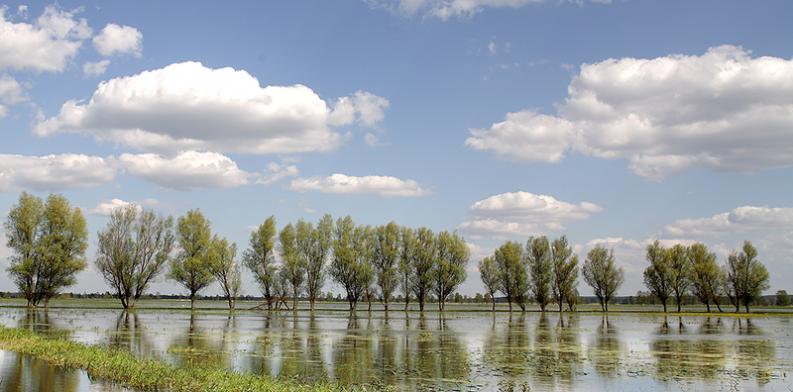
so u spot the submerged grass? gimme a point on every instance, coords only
(122, 367)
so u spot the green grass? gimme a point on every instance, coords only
(122, 367)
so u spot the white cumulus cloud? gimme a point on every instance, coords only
(95, 68)
(108, 206)
(740, 219)
(116, 39)
(187, 106)
(187, 170)
(53, 172)
(724, 109)
(11, 93)
(384, 186)
(46, 45)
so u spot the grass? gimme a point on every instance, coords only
(122, 367)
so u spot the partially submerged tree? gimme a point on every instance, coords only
(406, 260)
(658, 275)
(353, 248)
(423, 260)
(386, 261)
(488, 271)
(192, 266)
(448, 271)
(48, 241)
(564, 272)
(133, 249)
(602, 274)
(748, 276)
(315, 244)
(513, 273)
(259, 258)
(680, 272)
(225, 269)
(538, 255)
(294, 262)
(706, 277)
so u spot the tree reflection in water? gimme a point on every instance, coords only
(680, 356)
(606, 352)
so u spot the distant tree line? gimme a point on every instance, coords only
(386, 264)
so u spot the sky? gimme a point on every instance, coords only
(614, 123)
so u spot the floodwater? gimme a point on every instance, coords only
(19, 373)
(457, 351)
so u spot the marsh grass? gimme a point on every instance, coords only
(122, 367)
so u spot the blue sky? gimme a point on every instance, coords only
(612, 122)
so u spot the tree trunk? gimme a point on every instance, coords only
(718, 305)
(192, 301)
(707, 305)
(664, 303)
(311, 303)
(231, 302)
(509, 301)
(494, 303)
(561, 304)
(678, 305)
(421, 305)
(294, 299)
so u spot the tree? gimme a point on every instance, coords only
(294, 262)
(679, 272)
(564, 271)
(48, 241)
(601, 273)
(315, 244)
(782, 298)
(386, 259)
(259, 258)
(538, 254)
(225, 270)
(192, 266)
(353, 248)
(422, 263)
(705, 274)
(657, 276)
(406, 260)
(747, 276)
(448, 271)
(133, 250)
(513, 273)
(488, 271)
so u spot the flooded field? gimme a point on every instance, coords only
(21, 373)
(459, 350)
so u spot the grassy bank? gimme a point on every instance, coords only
(123, 368)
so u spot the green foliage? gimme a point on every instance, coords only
(513, 273)
(489, 273)
(424, 254)
(386, 258)
(658, 275)
(192, 266)
(448, 271)
(259, 258)
(564, 272)
(747, 277)
(406, 259)
(706, 277)
(315, 245)
(133, 250)
(538, 254)
(679, 272)
(602, 274)
(48, 241)
(353, 250)
(782, 298)
(225, 269)
(294, 261)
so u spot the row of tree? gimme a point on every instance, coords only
(682, 270)
(49, 240)
(545, 271)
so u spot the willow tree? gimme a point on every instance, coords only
(48, 243)
(603, 275)
(706, 277)
(386, 259)
(513, 273)
(422, 263)
(538, 255)
(315, 244)
(448, 271)
(748, 277)
(259, 259)
(564, 266)
(680, 272)
(489, 273)
(294, 262)
(658, 275)
(133, 250)
(192, 267)
(225, 269)
(406, 257)
(353, 249)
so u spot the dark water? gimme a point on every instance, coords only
(463, 351)
(20, 373)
